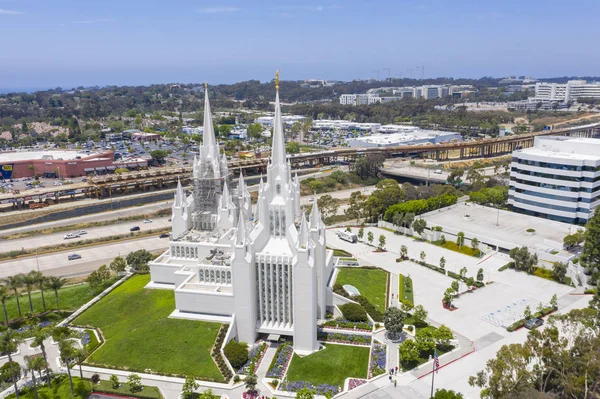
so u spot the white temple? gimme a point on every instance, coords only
(264, 271)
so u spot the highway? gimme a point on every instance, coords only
(43, 240)
(56, 264)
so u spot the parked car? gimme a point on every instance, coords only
(82, 232)
(68, 236)
(135, 228)
(164, 235)
(74, 256)
(148, 221)
(534, 323)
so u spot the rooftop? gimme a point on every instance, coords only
(45, 154)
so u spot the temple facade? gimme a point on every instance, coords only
(263, 268)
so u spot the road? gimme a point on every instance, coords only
(93, 232)
(404, 169)
(56, 264)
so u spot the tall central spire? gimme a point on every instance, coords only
(208, 137)
(278, 154)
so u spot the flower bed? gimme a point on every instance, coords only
(343, 324)
(281, 361)
(378, 360)
(255, 356)
(321, 389)
(344, 338)
(355, 383)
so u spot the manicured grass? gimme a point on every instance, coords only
(139, 335)
(70, 297)
(123, 389)
(82, 389)
(372, 284)
(406, 289)
(331, 365)
(464, 249)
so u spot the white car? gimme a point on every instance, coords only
(71, 235)
(81, 232)
(148, 221)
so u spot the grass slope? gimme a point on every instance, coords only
(139, 335)
(69, 298)
(331, 365)
(405, 287)
(372, 284)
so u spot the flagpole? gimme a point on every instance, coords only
(432, 378)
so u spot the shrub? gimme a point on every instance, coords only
(237, 353)
(95, 378)
(6, 374)
(354, 312)
(508, 265)
(371, 310)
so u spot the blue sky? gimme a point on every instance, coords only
(47, 43)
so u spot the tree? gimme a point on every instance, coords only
(393, 321)
(527, 313)
(9, 343)
(40, 280)
(189, 386)
(447, 394)
(208, 394)
(381, 242)
(403, 252)
(475, 244)
(420, 314)
(554, 301)
(67, 351)
(447, 299)
(454, 286)
(356, 205)
(408, 351)
(305, 393)
(159, 155)
(443, 335)
(425, 340)
(328, 206)
(237, 353)
(460, 239)
(29, 282)
(139, 259)
(422, 255)
(55, 284)
(361, 233)
(254, 130)
(292, 147)
(575, 239)
(250, 383)
(443, 262)
(523, 260)
(224, 130)
(118, 265)
(419, 226)
(4, 295)
(135, 383)
(480, 275)
(114, 381)
(370, 237)
(79, 356)
(455, 177)
(39, 335)
(559, 271)
(14, 283)
(368, 165)
(463, 272)
(35, 363)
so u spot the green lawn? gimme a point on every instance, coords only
(331, 365)
(82, 389)
(139, 335)
(123, 389)
(71, 297)
(405, 287)
(372, 284)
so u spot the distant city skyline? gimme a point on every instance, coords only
(133, 42)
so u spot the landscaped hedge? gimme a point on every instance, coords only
(457, 276)
(351, 325)
(216, 353)
(354, 312)
(429, 266)
(371, 310)
(508, 265)
(463, 249)
(520, 323)
(420, 206)
(237, 353)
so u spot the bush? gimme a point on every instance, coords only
(371, 310)
(6, 374)
(354, 312)
(429, 266)
(237, 353)
(95, 378)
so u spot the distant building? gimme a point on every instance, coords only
(533, 104)
(192, 130)
(557, 178)
(324, 124)
(142, 136)
(287, 120)
(55, 163)
(567, 92)
(415, 136)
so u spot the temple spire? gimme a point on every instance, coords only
(225, 201)
(315, 216)
(241, 231)
(208, 136)
(303, 234)
(278, 148)
(179, 196)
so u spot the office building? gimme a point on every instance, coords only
(558, 178)
(567, 92)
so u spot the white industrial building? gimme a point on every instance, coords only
(567, 92)
(340, 124)
(413, 137)
(427, 92)
(287, 120)
(558, 178)
(262, 272)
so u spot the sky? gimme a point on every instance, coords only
(68, 43)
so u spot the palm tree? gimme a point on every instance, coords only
(55, 284)
(35, 363)
(40, 281)
(14, 283)
(29, 283)
(9, 343)
(79, 355)
(65, 346)
(39, 335)
(3, 297)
